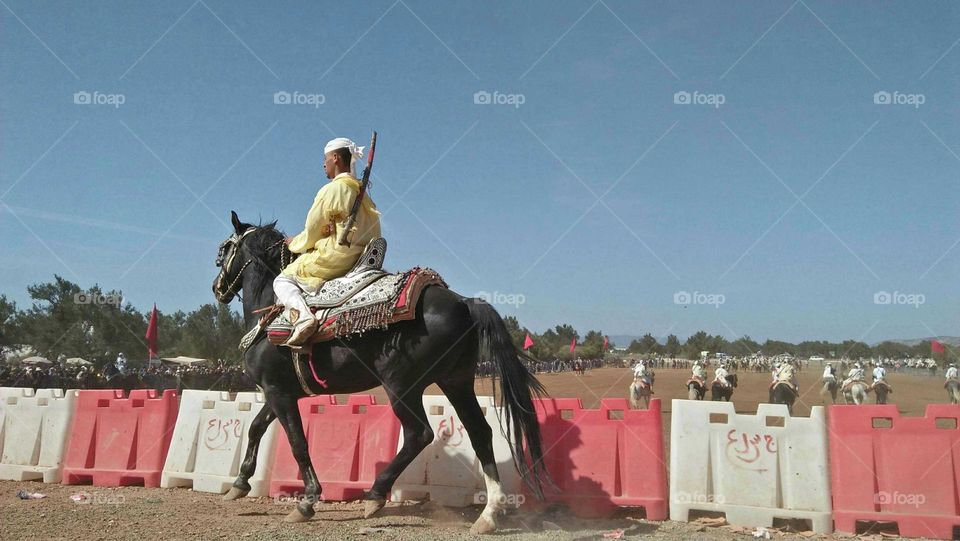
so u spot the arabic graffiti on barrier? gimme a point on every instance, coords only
(221, 433)
(450, 432)
(746, 449)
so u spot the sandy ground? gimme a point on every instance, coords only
(135, 512)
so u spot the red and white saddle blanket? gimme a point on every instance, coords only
(359, 303)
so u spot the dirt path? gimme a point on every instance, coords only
(168, 514)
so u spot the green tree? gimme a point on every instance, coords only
(700, 341)
(672, 348)
(212, 332)
(9, 335)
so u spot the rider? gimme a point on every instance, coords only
(951, 371)
(879, 375)
(829, 373)
(785, 373)
(641, 374)
(855, 374)
(720, 375)
(323, 258)
(699, 373)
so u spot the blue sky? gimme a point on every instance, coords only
(598, 201)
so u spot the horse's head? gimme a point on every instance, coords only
(249, 249)
(232, 258)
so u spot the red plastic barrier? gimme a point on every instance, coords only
(117, 441)
(885, 467)
(348, 444)
(604, 458)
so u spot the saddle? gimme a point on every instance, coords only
(366, 298)
(785, 383)
(849, 385)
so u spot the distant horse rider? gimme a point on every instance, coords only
(720, 375)
(829, 373)
(951, 373)
(699, 373)
(641, 375)
(322, 257)
(855, 374)
(880, 375)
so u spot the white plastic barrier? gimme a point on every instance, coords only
(448, 469)
(210, 441)
(33, 433)
(753, 468)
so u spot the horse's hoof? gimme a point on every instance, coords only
(296, 516)
(482, 526)
(370, 507)
(234, 493)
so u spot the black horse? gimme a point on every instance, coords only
(441, 345)
(783, 393)
(720, 392)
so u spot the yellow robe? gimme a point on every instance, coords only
(322, 257)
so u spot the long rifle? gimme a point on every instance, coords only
(364, 182)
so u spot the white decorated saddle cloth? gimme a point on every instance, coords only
(359, 302)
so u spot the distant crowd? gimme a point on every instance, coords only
(216, 377)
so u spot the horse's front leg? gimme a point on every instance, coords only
(241, 487)
(284, 405)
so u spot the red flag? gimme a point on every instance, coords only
(152, 334)
(573, 345)
(936, 347)
(606, 343)
(528, 342)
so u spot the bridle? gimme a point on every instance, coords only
(227, 252)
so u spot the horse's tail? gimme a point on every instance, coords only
(518, 387)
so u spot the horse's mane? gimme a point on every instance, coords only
(264, 247)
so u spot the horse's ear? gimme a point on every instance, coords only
(238, 226)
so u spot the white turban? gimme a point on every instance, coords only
(356, 153)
